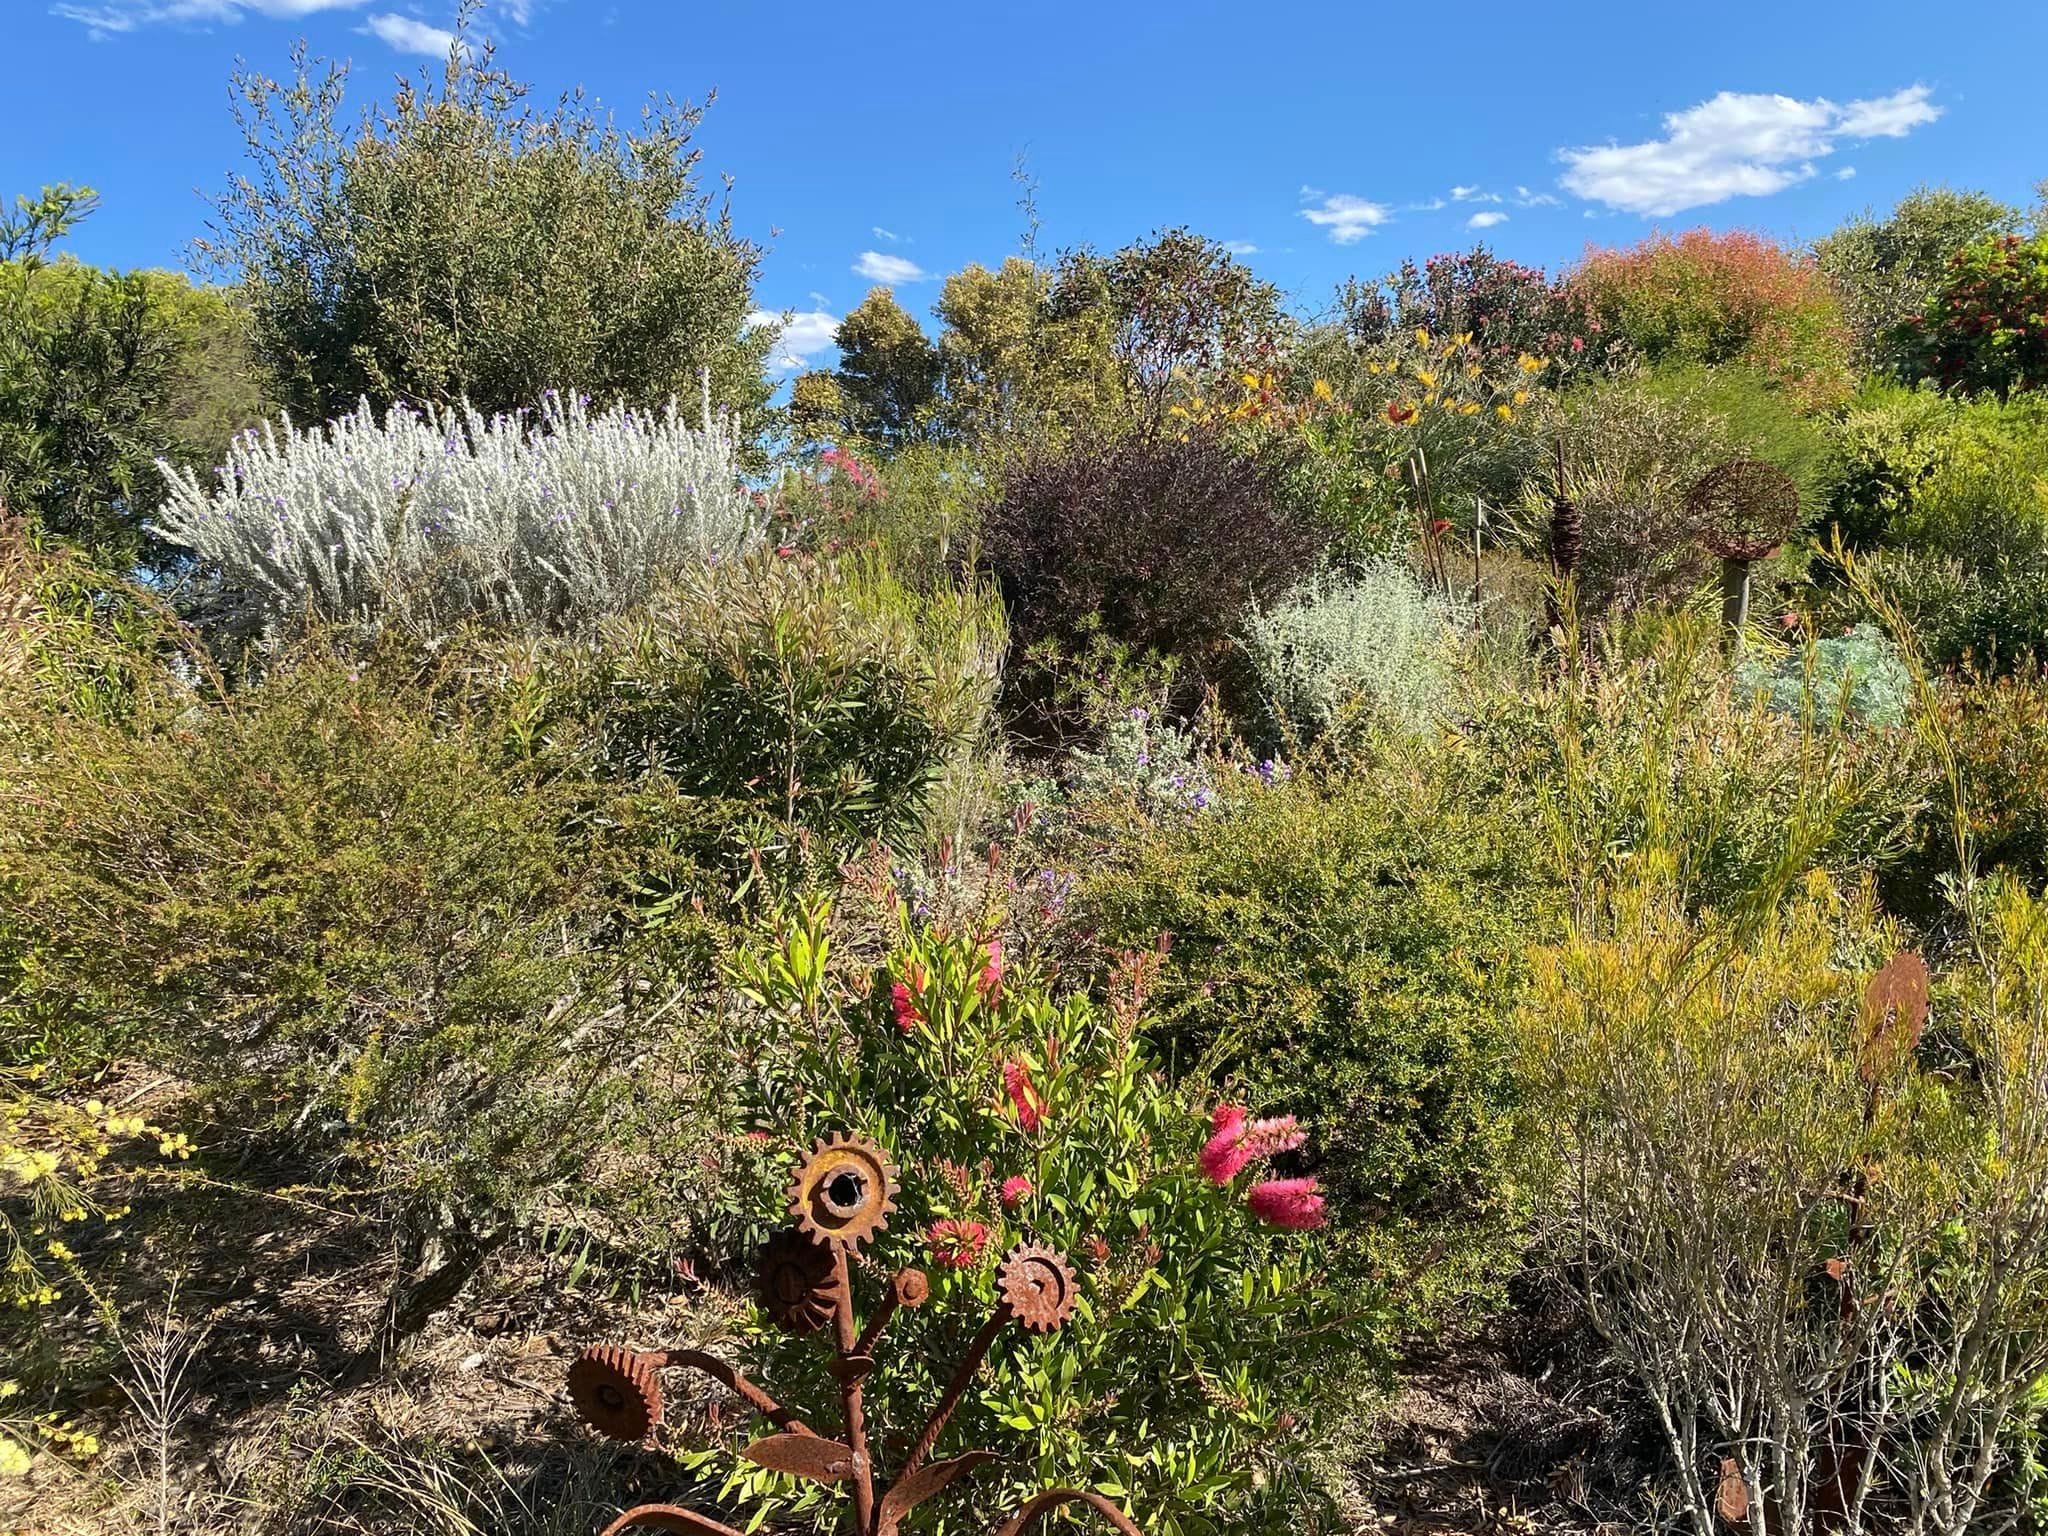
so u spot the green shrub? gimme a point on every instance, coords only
(1761, 421)
(1345, 946)
(1632, 456)
(1199, 1379)
(1886, 269)
(1380, 639)
(1997, 728)
(1986, 327)
(1652, 755)
(810, 699)
(352, 925)
(461, 244)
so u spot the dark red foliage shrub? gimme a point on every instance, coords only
(1166, 539)
(1510, 309)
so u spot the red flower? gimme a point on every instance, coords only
(1016, 1190)
(1226, 1155)
(1441, 525)
(956, 1244)
(1236, 1143)
(1295, 1203)
(1024, 1096)
(990, 982)
(904, 1006)
(1579, 343)
(1400, 412)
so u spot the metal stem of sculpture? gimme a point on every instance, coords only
(841, 1196)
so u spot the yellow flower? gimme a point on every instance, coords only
(60, 1252)
(1421, 336)
(1372, 367)
(1504, 413)
(1471, 370)
(1462, 339)
(1428, 378)
(1249, 380)
(1529, 364)
(1322, 391)
(1521, 397)
(1469, 408)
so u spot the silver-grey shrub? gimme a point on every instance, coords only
(544, 520)
(1378, 637)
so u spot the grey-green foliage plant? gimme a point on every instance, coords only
(428, 520)
(461, 243)
(1859, 673)
(1378, 637)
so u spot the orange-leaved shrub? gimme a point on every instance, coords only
(1702, 297)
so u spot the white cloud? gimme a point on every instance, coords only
(819, 299)
(1473, 195)
(1431, 206)
(887, 234)
(1240, 248)
(1486, 220)
(879, 267)
(1736, 145)
(1348, 219)
(118, 16)
(408, 35)
(1846, 173)
(805, 333)
(1888, 117)
(1524, 198)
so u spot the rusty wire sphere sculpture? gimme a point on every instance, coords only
(1745, 509)
(842, 1194)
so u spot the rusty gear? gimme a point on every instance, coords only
(1037, 1284)
(800, 1284)
(843, 1192)
(617, 1391)
(911, 1287)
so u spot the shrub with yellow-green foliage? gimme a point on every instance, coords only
(1812, 1235)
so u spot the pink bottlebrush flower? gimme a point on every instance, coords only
(956, 1244)
(904, 1006)
(1294, 1203)
(1024, 1096)
(1269, 1138)
(1016, 1190)
(990, 982)
(1226, 1155)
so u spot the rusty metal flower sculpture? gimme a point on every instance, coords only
(842, 1194)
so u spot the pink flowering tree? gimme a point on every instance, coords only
(1206, 1359)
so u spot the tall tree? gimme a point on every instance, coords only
(461, 243)
(889, 373)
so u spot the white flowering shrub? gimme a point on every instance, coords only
(1379, 637)
(543, 520)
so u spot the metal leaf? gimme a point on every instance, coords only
(811, 1456)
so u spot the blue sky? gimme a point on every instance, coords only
(1320, 140)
